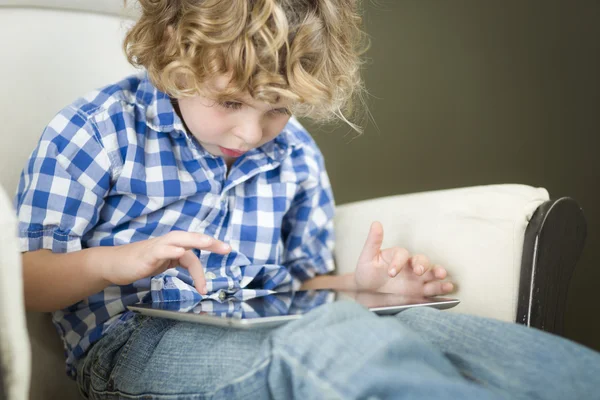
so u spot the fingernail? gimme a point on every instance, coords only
(447, 287)
(204, 290)
(419, 269)
(226, 246)
(393, 272)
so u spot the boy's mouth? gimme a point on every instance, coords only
(231, 152)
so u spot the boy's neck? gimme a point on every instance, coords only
(175, 105)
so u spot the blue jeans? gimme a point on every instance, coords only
(339, 351)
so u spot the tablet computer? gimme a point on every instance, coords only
(278, 308)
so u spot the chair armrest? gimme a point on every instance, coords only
(32, 352)
(477, 233)
(15, 353)
(554, 240)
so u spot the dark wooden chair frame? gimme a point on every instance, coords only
(553, 243)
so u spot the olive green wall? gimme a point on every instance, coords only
(470, 92)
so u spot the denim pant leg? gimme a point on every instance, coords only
(524, 362)
(156, 358)
(343, 351)
(338, 351)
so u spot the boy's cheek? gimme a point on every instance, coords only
(275, 129)
(208, 133)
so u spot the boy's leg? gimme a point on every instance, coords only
(525, 362)
(343, 351)
(336, 351)
(166, 359)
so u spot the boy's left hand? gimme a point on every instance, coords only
(395, 270)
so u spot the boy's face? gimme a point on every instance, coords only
(232, 128)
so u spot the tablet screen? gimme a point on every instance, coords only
(290, 304)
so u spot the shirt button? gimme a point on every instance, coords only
(210, 275)
(222, 296)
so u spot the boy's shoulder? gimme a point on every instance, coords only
(93, 122)
(298, 137)
(129, 90)
(107, 112)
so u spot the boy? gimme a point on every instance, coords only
(193, 181)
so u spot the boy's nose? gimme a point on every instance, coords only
(250, 133)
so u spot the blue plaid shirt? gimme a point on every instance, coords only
(117, 166)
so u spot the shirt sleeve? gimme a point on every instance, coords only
(63, 185)
(307, 228)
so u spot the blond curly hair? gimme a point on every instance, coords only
(305, 51)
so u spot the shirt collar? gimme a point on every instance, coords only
(160, 114)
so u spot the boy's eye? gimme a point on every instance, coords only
(280, 111)
(231, 105)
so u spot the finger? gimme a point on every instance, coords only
(193, 264)
(169, 252)
(420, 264)
(437, 288)
(439, 272)
(373, 243)
(436, 273)
(192, 240)
(167, 265)
(398, 260)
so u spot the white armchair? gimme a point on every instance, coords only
(508, 246)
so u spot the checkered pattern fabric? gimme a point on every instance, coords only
(117, 166)
(272, 305)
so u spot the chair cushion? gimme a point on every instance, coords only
(476, 233)
(14, 346)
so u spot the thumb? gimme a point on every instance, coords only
(373, 243)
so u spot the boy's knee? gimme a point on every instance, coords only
(419, 316)
(348, 328)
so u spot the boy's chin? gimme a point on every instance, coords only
(212, 149)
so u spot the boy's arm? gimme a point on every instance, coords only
(59, 200)
(60, 194)
(54, 281)
(344, 282)
(309, 231)
(393, 270)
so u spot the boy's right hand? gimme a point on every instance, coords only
(131, 262)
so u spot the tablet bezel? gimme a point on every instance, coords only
(272, 321)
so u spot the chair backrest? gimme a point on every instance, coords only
(52, 52)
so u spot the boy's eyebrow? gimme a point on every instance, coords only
(248, 103)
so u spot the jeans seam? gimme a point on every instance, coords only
(127, 346)
(242, 378)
